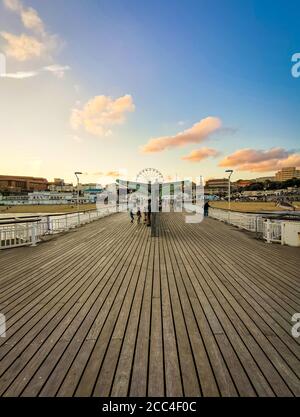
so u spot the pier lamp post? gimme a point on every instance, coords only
(77, 176)
(230, 172)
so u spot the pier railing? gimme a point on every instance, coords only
(268, 229)
(30, 230)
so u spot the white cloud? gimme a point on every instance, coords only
(200, 154)
(198, 133)
(100, 113)
(32, 21)
(57, 70)
(25, 47)
(29, 16)
(20, 75)
(22, 47)
(257, 160)
(14, 5)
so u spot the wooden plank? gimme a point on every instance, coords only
(121, 381)
(75, 306)
(90, 374)
(116, 366)
(107, 310)
(233, 348)
(139, 378)
(190, 381)
(217, 321)
(156, 381)
(173, 384)
(260, 355)
(80, 350)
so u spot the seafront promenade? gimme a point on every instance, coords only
(106, 309)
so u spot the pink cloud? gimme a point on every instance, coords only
(101, 113)
(200, 154)
(113, 174)
(198, 133)
(261, 160)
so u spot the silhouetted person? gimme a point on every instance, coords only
(149, 213)
(206, 208)
(139, 215)
(145, 215)
(131, 216)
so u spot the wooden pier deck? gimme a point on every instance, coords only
(106, 310)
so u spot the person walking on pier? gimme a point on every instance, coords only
(206, 208)
(145, 216)
(131, 216)
(139, 215)
(149, 213)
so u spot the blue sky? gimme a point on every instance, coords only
(180, 62)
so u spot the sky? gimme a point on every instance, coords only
(109, 87)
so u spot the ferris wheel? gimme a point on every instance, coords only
(151, 175)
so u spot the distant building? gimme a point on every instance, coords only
(59, 181)
(91, 191)
(264, 179)
(48, 197)
(91, 187)
(287, 174)
(60, 187)
(243, 183)
(216, 186)
(66, 188)
(21, 184)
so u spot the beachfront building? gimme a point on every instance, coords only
(287, 174)
(20, 184)
(242, 183)
(46, 198)
(264, 179)
(216, 186)
(59, 186)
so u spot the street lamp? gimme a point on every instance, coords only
(77, 176)
(230, 171)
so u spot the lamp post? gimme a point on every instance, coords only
(77, 176)
(230, 171)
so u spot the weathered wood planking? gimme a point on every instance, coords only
(108, 310)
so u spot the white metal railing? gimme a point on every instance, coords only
(271, 230)
(22, 232)
(14, 235)
(248, 221)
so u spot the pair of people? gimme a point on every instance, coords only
(138, 214)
